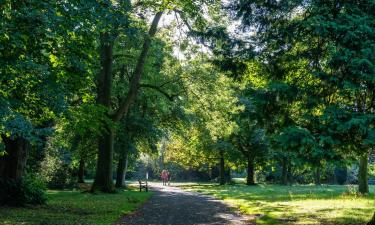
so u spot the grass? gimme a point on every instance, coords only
(76, 208)
(302, 204)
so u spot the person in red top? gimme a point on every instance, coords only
(164, 177)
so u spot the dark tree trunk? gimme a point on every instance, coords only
(121, 170)
(250, 171)
(289, 173)
(104, 85)
(362, 174)
(81, 171)
(317, 175)
(228, 176)
(13, 164)
(284, 173)
(222, 168)
(103, 178)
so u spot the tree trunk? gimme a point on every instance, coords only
(13, 164)
(228, 176)
(250, 171)
(134, 84)
(104, 85)
(81, 171)
(362, 174)
(284, 173)
(222, 168)
(121, 170)
(317, 175)
(289, 173)
(209, 171)
(103, 178)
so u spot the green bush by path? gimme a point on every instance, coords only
(28, 190)
(75, 208)
(302, 204)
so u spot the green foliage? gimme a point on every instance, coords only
(56, 170)
(28, 190)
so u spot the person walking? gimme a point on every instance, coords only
(164, 177)
(169, 178)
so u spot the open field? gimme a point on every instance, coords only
(302, 204)
(74, 207)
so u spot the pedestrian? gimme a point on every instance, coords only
(164, 177)
(169, 178)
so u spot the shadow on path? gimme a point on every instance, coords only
(172, 205)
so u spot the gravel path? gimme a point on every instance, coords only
(174, 206)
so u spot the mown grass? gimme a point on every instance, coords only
(301, 204)
(75, 208)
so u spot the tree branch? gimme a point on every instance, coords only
(159, 89)
(134, 84)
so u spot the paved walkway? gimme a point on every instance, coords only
(174, 206)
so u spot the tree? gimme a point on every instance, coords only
(103, 180)
(327, 38)
(39, 73)
(250, 139)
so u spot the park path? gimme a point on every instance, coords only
(174, 206)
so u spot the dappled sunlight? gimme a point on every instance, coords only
(300, 204)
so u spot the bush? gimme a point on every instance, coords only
(56, 171)
(61, 178)
(27, 190)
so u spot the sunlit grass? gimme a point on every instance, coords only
(74, 207)
(302, 204)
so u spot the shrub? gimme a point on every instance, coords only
(27, 190)
(61, 177)
(56, 170)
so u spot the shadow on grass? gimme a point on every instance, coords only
(273, 193)
(302, 204)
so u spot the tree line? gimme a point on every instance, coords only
(285, 85)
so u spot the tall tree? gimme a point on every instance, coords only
(39, 74)
(188, 10)
(331, 41)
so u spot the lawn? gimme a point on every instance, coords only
(76, 208)
(302, 204)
